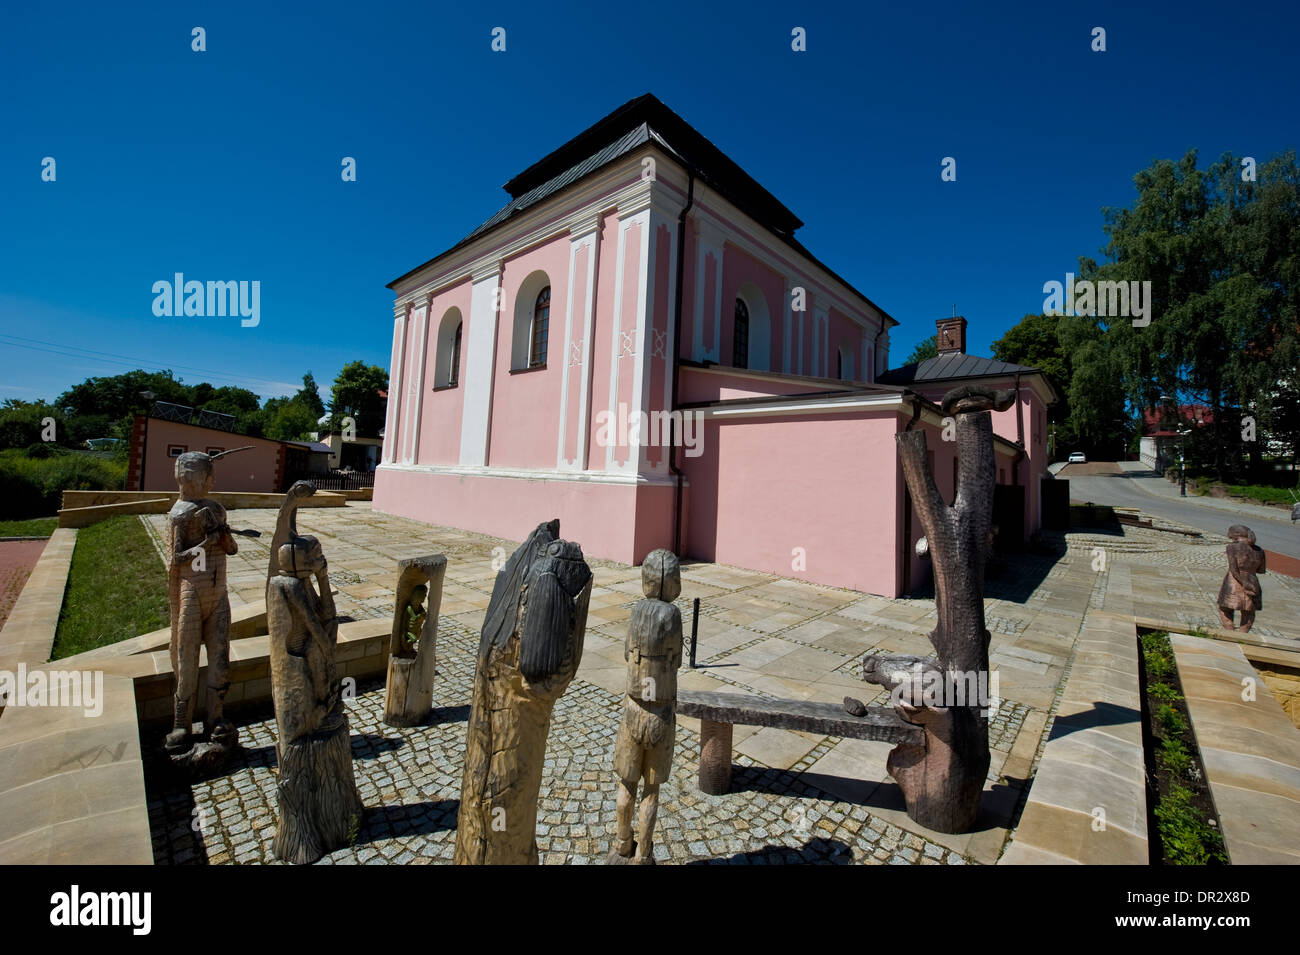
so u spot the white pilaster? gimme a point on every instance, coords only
(480, 363)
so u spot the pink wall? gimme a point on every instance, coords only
(764, 487)
(441, 416)
(611, 521)
(526, 404)
(253, 470)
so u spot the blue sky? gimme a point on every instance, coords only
(225, 164)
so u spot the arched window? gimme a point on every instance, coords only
(740, 340)
(453, 373)
(445, 366)
(540, 329)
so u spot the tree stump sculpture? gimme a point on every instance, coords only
(529, 651)
(408, 698)
(1240, 590)
(198, 542)
(319, 806)
(942, 777)
(643, 751)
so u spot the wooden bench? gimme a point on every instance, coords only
(719, 712)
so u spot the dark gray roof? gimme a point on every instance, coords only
(624, 144)
(949, 366)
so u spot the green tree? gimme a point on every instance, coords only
(309, 396)
(22, 423)
(1223, 260)
(1035, 342)
(287, 419)
(358, 393)
(926, 348)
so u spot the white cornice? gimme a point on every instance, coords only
(604, 189)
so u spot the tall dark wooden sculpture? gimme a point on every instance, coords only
(943, 776)
(408, 698)
(530, 649)
(319, 806)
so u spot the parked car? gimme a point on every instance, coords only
(1077, 457)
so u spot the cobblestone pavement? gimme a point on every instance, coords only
(17, 558)
(795, 796)
(410, 780)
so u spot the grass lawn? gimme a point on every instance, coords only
(36, 527)
(117, 587)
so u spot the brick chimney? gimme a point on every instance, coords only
(951, 335)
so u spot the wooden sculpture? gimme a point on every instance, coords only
(1240, 590)
(319, 807)
(529, 651)
(408, 699)
(198, 543)
(942, 776)
(643, 751)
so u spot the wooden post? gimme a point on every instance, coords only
(942, 777)
(408, 699)
(715, 757)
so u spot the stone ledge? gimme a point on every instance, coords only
(28, 634)
(73, 791)
(1250, 749)
(1092, 760)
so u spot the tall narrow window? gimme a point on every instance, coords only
(541, 328)
(453, 373)
(839, 364)
(740, 341)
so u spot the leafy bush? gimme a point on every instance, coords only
(34, 486)
(1174, 757)
(1171, 721)
(1164, 693)
(1187, 839)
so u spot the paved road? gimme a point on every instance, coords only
(1125, 490)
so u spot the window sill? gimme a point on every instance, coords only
(446, 387)
(524, 371)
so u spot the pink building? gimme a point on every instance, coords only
(638, 345)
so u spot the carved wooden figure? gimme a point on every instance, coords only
(198, 542)
(942, 777)
(319, 807)
(1240, 590)
(643, 751)
(408, 699)
(529, 651)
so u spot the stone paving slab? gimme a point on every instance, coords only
(1250, 749)
(1092, 767)
(72, 790)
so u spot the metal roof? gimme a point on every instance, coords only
(949, 366)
